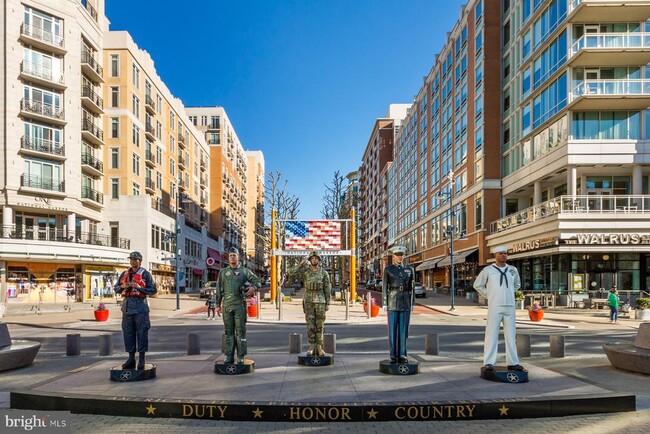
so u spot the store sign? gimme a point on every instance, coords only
(609, 239)
(415, 258)
(538, 243)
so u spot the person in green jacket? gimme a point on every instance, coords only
(234, 284)
(613, 302)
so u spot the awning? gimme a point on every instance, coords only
(215, 254)
(427, 265)
(459, 258)
(197, 271)
(214, 259)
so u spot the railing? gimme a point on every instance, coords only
(149, 101)
(590, 204)
(149, 183)
(33, 181)
(38, 70)
(89, 193)
(202, 164)
(41, 145)
(88, 125)
(87, 57)
(150, 156)
(181, 160)
(149, 129)
(181, 138)
(612, 40)
(91, 10)
(42, 109)
(42, 35)
(87, 92)
(21, 232)
(91, 161)
(612, 87)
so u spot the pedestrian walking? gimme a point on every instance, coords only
(613, 302)
(211, 302)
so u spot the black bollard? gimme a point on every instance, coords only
(557, 345)
(193, 344)
(105, 345)
(329, 342)
(73, 344)
(295, 343)
(431, 343)
(523, 345)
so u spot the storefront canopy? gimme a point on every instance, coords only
(459, 258)
(427, 265)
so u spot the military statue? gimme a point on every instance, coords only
(135, 284)
(398, 297)
(316, 301)
(234, 284)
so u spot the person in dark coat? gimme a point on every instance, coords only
(135, 284)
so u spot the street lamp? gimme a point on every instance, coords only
(450, 233)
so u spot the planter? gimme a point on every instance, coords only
(101, 315)
(519, 304)
(252, 310)
(374, 311)
(642, 314)
(535, 315)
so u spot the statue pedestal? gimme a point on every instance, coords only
(223, 368)
(305, 360)
(127, 375)
(502, 374)
(410, 368)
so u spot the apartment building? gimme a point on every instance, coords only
(373, 208)
(575, 144)
(157, 169)
(228, 178)
(255, 214)
(53, 245)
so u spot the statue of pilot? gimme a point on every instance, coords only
(399, 299)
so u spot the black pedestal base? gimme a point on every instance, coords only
(504, 375)
(305, 360)
(127, 375)
(410, 368)
(223, 368)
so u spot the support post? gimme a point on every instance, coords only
(352, 290)
(73, 344)
(274, 259)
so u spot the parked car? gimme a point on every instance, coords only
(207, 289)
(420, 290)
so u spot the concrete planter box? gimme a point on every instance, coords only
(642, 314)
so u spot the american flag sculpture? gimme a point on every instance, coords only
(313, 235)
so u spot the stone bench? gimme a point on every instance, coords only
(631, 357)
(15, 353)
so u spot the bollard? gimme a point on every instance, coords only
(73, 345)
(431, 343)
(557, 345)
(193, 344)
(223, 343)
(295, 343)
(523, 345)
(329, 341)
(105, 345)
(259, 305)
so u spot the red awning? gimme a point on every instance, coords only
(197, 271)
(214, 254)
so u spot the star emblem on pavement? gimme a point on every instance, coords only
(512, 377)
(125, 375)
(151, 409)
(503, 410)
(231, 369)
(372, 414)
(257, 413)
(315, 361)
(403, 369)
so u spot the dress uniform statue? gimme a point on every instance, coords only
(398, 297)
(135, 284)
(233, 286)
(316, 302)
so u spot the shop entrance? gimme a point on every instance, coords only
(603, 279)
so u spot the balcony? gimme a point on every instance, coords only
(90, 9)
(181, 141)
(41, 183)
(150, 131)
(91, 165)
(37, 73)
(91, 101)
(611, 49)
(92, 195)
(92, 132)
(91, 67)
(181, 162)
(203, 165)
(150, 185)
(630, 94)
(149, 158)
(594, 11)
(60, 234)
(43, 39)
(41, 111)
(613, 207)
(43, 148)
(149, 105)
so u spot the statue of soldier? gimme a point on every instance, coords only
(234, 284)
(316, 300)
(135, 284)
(398, 297)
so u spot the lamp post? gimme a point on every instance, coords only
(450, 232)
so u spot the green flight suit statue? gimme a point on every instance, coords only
(232, 289)
(316, 301)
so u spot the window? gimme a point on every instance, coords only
(115, 188)
(115, 158)
(136, 75)
(478, 211)
(115, 128)
(115, 96)
(172, 168)
(478, 43)
(41, 174)
(172, 119)
(158, 180)
(136, 135)
(44, 138)
(115, 65)
(136, 164)
(136, 106)
(136, 189)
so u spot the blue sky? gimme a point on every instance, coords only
(301, 80)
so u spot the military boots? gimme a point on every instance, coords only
(130, 362)
(319, 350)
(312, 348)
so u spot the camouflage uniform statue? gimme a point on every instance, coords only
(232, 289)
(135, 284)
(316, 300)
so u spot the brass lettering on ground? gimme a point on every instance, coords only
(426, 412)
(203, 411)
(330, 414)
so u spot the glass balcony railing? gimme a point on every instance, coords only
(612, 87)
(60, 234)
(40, 71)
(612, 40)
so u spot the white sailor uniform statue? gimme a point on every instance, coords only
(399, 299)
(498, 283)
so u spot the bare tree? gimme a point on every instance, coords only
(336, 207)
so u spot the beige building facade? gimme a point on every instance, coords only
(255, 238)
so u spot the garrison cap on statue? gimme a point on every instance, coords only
(233, 250)
(398, 249)
(498, 249)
